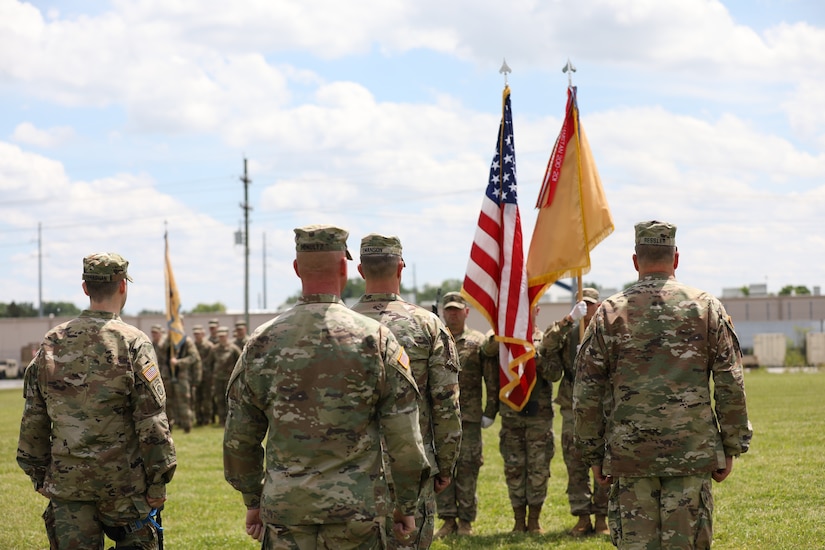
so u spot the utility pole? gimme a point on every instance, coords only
(246, 208)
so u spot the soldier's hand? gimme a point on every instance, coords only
(440, 483)
(720, 475)
(155, 503)
(600, 478)
(578, 311)
(403, 526)
(254, 525)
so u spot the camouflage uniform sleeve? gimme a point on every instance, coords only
(196, 371)
(443, 395)
(492, 381)
(490, 368)
(591, 384)
(729, 385)
(246, 426)
(398, 419)
(151, 423)
(553, 349)
(34, 445)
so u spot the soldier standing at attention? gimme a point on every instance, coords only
(645, 418)
(94, 437)
(526, 439)
(560, 343)
(180, 368)
(241, 337)
(434, 364)
(324, 385)
(213, 325)
(459, 499)
(202, 395)
(224, 356)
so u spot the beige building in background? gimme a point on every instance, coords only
(794, 316)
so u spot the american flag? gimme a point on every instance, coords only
(496, 278)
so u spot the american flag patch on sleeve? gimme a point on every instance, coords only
(151, 372)
(403, 358)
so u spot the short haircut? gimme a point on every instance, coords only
(654, 253)
(100, 291)
(379, 266)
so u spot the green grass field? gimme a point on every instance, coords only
(773, 500)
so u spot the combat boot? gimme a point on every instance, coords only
(464, 527)
(601, 527)
(520, 514)
(583, 527)
(447, 529)
(533, 520)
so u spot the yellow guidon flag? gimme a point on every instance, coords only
(174, 321)
(573, 213)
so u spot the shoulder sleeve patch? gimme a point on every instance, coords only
(150, 372)
(403, 358)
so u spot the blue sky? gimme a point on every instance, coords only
(121, 119)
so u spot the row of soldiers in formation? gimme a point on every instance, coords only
(196, 374)
(452, 368)
(320, 393)
(196, 377)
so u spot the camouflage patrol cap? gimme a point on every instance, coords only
(380, 244)
(656, 233)
(214, 322)
(157, 328)
(223, 330)
(453, 299)
(590, 295)
(197, 329)
(105, 267)
(321, 238)
(240, 323)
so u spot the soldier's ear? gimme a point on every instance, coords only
(295, 267)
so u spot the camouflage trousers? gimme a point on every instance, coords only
(586, 497)
(424, 523)
(657, 513)
(178, 407)
(77, 524)
(527, 446)
(219, 389)
(202, 402)
(459, 499)
(353, 535)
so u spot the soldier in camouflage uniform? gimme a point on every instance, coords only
(224, 356)
(202, 402)
(241, 338)
(526, 439)
(560, 342)
(180, 369)
(647, 417)
(459, 499)
(94, 437)
(324, 385)
(213, 330)
(434, 363)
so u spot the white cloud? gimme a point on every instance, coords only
(27, 134)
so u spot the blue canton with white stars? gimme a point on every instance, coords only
(502, 186)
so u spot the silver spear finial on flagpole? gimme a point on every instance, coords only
(505, 70)
(569, 69)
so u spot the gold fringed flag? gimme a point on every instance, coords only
(573, 213)
(174, 321)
